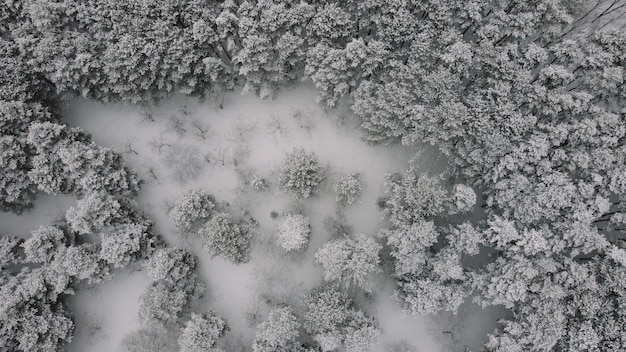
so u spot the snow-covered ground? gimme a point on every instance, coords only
(47, 210)
(219, 150)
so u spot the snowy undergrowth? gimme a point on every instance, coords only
(233, 153)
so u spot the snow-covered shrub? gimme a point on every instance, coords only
(329, 341)
(259, 183)
(96, 211)
(222, 236)
(127, 243)
(362, 338)
(191, 210)
(300, 174)
(412, 196)
(17, 190)
(152, 339)
(43, 244)
(174, 288)
(279, 332)
(362, 332)
(349, 188)
(171, 264)
(201, 332)
(293, 232)
(184, 162)
(464, 197)
(351, 260)
(326, 309)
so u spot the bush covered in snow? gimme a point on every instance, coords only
(278, 333)
(300, 174)
(191, 210)
(464, 197)
(201, 332)
(350, 260)
(349, 188)
(293, 232)
(174, 287)
(225, 237)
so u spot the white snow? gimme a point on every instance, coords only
(248, 137)
(47, 209)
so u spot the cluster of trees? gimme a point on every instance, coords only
(525, 98)
(328, 322)
(332, 320)
(38, 154)
(300, 174)
(197, 212)
(293, 232)
(348, 189)
(168, 308)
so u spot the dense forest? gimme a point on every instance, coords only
(526, 99)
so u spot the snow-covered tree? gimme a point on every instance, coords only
(174, 287)
(10, 250)
(96, 211)
(300, 174)
(293, 232)
(192, 210)
(350, 260)
(224, 237)
(201, 332)
(44, 244)
(412, 196)
(148, 339)
(362, 334)
(349, 188)
(463, 198)
(327, 309)
(278, 333)
(31, 317)
(126, 243)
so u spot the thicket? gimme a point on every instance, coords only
(524, 97)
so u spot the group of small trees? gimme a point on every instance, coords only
(196, 212)
(332, 320)
(525, 98)
(293, 232)
(300, 174)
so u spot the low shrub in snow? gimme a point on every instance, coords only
(222, 236)
(191, 210)
(293, 232)
(349, 188)
(300, 174)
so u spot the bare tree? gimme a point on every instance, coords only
(158, 143)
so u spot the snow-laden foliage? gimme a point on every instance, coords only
(352, 261)
(300, 174)
(327, 309)
(44, 243)
(361, 334)
(174, 287)
(148, 339)
(31, 317)
(201, 332)
(463, 197)
(127, 243)
(278, 333)
(95, 212)
(412, 196)
(525, 99)
(293, 232)
(223, 236)
(191, 210)
(349, 188)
